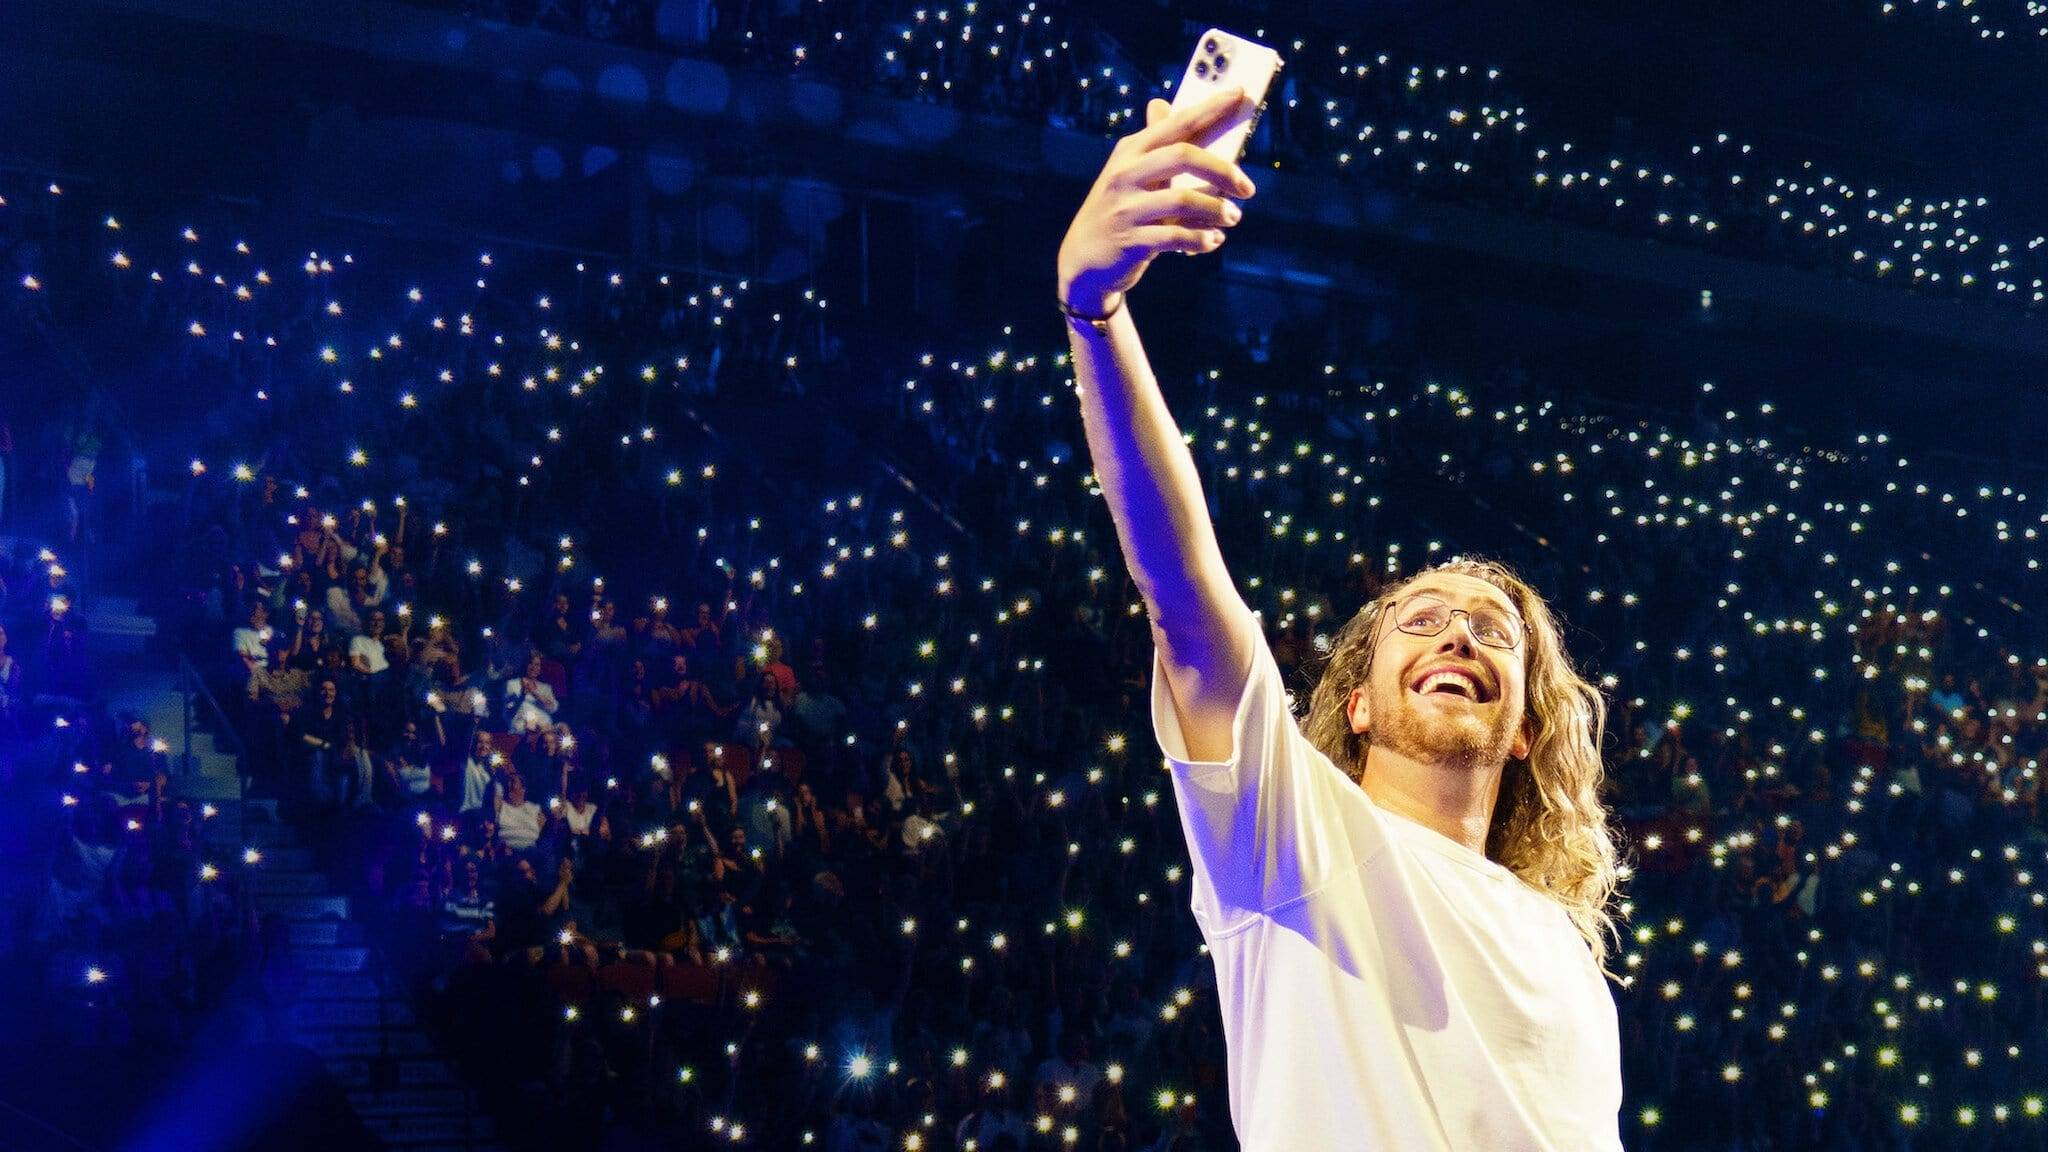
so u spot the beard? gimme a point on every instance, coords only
(1457, 735)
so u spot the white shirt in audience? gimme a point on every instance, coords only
(519, 824)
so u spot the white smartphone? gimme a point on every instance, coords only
(1222, 61)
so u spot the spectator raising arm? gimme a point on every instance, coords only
(1199, 622)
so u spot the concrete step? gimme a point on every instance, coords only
(106, 617)
(265, 882)
(221, 788)
(366, 1042)
(260, 835)
(340, 959)
(350, 1014)
(354, 1073)
(289, 860)
(305, 907)
(403, 1101)
(118, 605)
(262, 812)
(110, 638)
(322, 933)
(409, 1131)
(326, 986)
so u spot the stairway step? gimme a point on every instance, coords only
(304, 907)
(262, 814)
(290, 860)
(341, 958)
(365, 1042)
(407, 1131)
(217, 781)
(427, 1073)
(399, 1101)
(322, 933)
(264, 882)
(105, 621)
(371, 1014)
(419, 1072)
(349, 1072)
(108, 641)
(258, 834)
(340, 986)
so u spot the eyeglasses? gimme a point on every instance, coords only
(1427, 615)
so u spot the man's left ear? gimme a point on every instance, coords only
(1525, 739)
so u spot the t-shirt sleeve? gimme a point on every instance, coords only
(1267, 825)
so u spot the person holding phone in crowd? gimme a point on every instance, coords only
(1406, 892)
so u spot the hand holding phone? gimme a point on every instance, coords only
(1163, 187)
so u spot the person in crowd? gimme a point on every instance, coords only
(140, 767)
(480, 775)
(327, 744)
(11, 698)
(759, 722)
(521, 822)
(530, 700)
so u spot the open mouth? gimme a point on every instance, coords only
(1450, 682)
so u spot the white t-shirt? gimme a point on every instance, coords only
(416, 779)
(519, 824)
(372, 652)
(1382, 986)
(253, 643)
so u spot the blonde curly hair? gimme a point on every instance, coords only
(1548, 826)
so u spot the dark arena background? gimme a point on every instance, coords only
(650, 421)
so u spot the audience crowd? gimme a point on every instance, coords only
(1453, 131)
(697, 789)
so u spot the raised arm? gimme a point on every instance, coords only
(1199, 622)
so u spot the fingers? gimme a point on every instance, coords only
(1184, 206)
(1155, 168)
(1172, 238)
(1191, 121)
(1156, 110)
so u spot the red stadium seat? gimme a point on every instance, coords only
(696, 983)
(788, 761)
(556, 677)
(738, 763)
(627, 979)
(569, 983)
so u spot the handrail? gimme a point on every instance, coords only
(68, 1139)
(191, 685)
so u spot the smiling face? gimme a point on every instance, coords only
(1445, 699)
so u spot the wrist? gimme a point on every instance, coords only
(1090, 306)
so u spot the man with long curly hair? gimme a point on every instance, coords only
(1406, 902)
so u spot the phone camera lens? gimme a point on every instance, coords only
(1222, 62)
(1202, 68)
(1209, 45)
